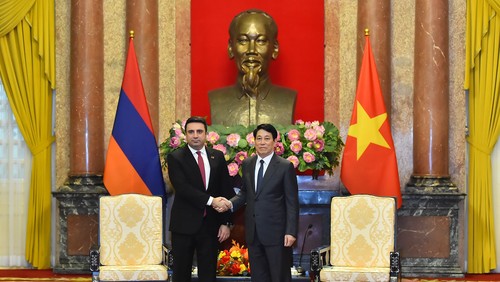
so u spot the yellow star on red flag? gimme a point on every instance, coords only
(367, 130)
(369, 163)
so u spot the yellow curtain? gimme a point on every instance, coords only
(482, 79)
(27, 70)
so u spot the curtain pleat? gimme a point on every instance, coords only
(27, 70)
(12, 12)
(482, 79)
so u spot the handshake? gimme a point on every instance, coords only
(221, 204)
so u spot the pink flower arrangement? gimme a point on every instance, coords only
(212, 137)
(240, 157)
(233, 168)
(175, 142)
(250, 139)
(279, 149)
(221, 148)
(294, 160)
(308, 145)
(311, 134)
(319, 145)
(233, 139)
(296, 146)
(308, 157)
(293, 135)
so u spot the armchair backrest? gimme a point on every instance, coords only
(362, 230)
(130, 230)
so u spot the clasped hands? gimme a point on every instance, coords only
(221, 204)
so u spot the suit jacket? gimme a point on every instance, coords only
(190, 195)
(273, 211)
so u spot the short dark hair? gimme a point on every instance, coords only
(266, 127)
(196, 119)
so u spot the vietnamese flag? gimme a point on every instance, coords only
(133, 160)
(369, 164)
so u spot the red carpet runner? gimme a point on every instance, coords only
(31, 275)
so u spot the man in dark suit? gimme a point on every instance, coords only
(194, 224)
(272, 208)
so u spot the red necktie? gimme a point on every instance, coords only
(201, 165)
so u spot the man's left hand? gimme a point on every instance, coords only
(289, 240)
(224, 233)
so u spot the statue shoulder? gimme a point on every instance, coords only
(282, 95)
(222, 92)
(283, 91)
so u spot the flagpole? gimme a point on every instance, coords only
(126, 171)
(369, 151)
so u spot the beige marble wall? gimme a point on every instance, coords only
(340, 74)
(403, 35)
(115, 44)
(458, 116)
(63, 13)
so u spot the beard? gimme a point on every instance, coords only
(251, 79)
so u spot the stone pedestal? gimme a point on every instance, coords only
(430, 229)
(314, 221)
(77, 222)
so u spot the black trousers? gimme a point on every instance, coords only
(269, 263)
(184, 246)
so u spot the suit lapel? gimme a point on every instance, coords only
(252, 173)
(271, 168)
(212, 162)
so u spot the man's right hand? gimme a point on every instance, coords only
(221, 204)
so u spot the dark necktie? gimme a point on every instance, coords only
(260, 175)
(201, 165)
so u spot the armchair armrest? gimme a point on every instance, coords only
(94, 263)
(319, 257)
(168, 261)
(395, 273)
(94, 259)
(165, 254)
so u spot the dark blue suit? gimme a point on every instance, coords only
(270, 213)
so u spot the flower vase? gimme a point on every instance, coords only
(315, 174)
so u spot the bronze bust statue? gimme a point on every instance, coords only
(253, 99)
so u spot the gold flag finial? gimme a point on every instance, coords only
(367, 32)
(131, 34)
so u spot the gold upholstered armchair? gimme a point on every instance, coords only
(130, 240)
(362, 244)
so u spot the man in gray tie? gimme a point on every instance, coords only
(270, 192)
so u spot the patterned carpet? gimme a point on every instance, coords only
(467, 278)
(30, 275)
(85, 279)
(33, 279)
(443, 280)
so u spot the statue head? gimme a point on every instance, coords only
(253, 44)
